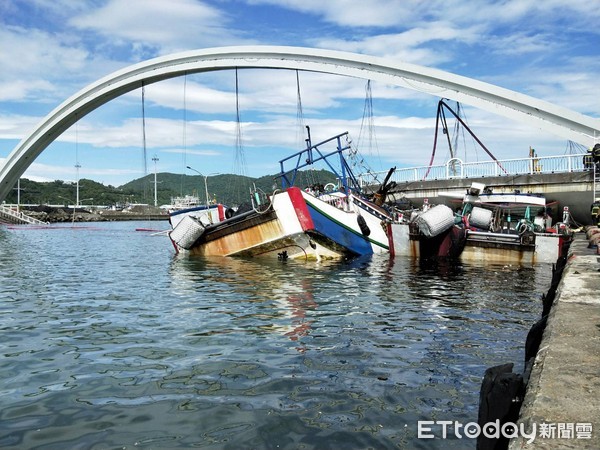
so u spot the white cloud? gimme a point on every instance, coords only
(14, 126)
(35, 63)
(577, 90)
(164, 26)
(521, 44)
(360, 13)
(573, 86)
(198, 97)
(267, 92)
(408, 46)
(192, 152)
(535, 14)
(411, 13)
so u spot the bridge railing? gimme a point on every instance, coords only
(18, 216)
(456, 168)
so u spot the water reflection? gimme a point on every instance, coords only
(258, 296)
(111, 341)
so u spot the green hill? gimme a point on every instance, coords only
(59, 192)
(228, 189)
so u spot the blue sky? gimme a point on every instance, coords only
(50, 49)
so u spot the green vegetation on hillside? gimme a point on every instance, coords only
(59, 192)
(228, 189)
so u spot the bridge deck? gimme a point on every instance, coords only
(564, 180)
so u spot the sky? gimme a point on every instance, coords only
(51, 49)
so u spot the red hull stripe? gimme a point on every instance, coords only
(301, 209)
(391, 239)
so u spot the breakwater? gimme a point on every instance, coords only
(554, 403)
(562, 400)
(66, 214)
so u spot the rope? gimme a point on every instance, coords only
(368, 123)
(184, 137)
(299, 113)
(242, 186)
(144, 151)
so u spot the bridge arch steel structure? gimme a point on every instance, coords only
(547, 116)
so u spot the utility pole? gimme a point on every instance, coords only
(77, 167)
(155, 189)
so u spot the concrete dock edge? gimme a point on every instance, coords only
(562, 401)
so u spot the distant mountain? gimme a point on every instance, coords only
(60, 192)
(228, 189)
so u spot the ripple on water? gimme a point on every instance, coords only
(109, 340)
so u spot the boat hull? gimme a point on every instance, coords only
(508, 249)
(207, 214)
(283, 230)
(338, 224)
(480, 247)
(404, 242)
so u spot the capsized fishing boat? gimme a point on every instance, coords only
(273, 225)
(487, 227)
(290, 223)
(342, 217)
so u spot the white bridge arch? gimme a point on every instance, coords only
(554, 119)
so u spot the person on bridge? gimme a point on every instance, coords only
(592, 158)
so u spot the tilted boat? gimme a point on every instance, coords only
(488, 227)
(208, 214)
(341, 215)
(276, 228)
(290, 223)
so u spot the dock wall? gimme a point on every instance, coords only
(562, 399)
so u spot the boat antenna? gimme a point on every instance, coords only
(310, 174)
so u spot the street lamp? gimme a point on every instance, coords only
(155, 191)
(209, 175)
(74, 206)
(18, 188)
(65, 198)
(205, 182)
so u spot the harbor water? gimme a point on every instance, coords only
(111, 341)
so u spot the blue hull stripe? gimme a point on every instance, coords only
(339, 233)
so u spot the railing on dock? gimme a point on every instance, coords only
(10, 215)
(456, 168)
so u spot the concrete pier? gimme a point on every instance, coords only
(563, 395)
